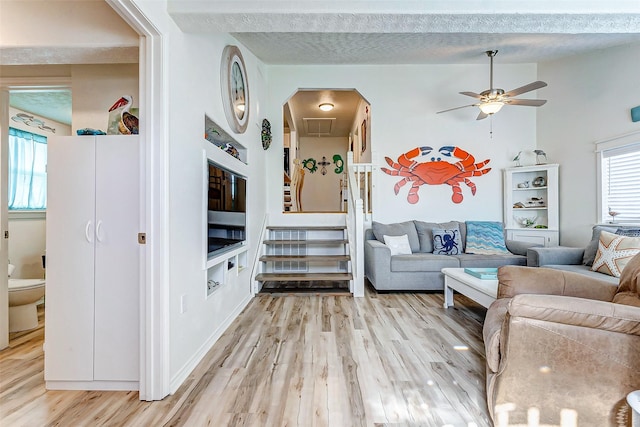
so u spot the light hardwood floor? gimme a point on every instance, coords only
(382, 360)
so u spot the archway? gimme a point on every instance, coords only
(320, 127)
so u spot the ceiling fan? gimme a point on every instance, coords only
(492, 100)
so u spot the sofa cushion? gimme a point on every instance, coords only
(422, 262)
(585, 270)
(490, 261)
(629, 232)
(425, 234)
(485, 237)
(446, 241)
(398, 245)
(629, 289)
(397, 229)
(614, 252)
(592, 246)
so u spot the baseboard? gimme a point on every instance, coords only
(191, 364)
(93, 385)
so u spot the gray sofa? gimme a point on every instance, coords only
(578, 260)
(420, 270)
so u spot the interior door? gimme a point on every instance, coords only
(70, 237)
(117, 259)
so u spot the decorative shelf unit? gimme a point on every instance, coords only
(535, 200)
(218, 137)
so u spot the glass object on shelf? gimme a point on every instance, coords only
(613, 215)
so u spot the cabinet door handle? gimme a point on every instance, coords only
(87, 235)
(98, 228)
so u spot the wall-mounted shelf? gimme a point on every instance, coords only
(221, 139)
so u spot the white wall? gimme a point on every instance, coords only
(94, 90)
(60, 23)
(589, 97)
(322, 192)
(403, 116)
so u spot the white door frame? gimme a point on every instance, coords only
(8, 85)
(154, 276)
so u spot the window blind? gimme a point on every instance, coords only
(621, 182)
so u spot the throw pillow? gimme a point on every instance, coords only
(614, 252)
(398, 245)
(629, 232)
(592, 246)
(425, 234)
(446, 241)
(485, 237)
(397, 229)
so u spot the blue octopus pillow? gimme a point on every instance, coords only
(446, 241)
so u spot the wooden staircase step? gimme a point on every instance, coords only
(305, 258)
(307, 242)
(301, 277)
(306, 227)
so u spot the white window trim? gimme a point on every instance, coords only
(601, 147)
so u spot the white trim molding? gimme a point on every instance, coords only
(154, 276)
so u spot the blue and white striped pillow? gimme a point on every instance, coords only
(485, 237)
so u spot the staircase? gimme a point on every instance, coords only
(305, 259)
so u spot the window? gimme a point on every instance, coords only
(27, 170)
(620, 183)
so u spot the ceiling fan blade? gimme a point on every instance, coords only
(482, 116)
(526, 88)
(472, 94)
(527, 102)
(457, 108)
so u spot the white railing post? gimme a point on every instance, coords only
(355, 220)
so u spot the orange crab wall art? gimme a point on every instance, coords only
(436, 171)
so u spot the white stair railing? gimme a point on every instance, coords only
(358, 213)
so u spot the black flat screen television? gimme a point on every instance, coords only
(226, 209)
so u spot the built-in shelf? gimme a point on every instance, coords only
(221, 139)
(520, 190)
(224, 268)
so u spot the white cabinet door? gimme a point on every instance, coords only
(70, 236)
(117, 259)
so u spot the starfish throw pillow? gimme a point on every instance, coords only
(614, 252)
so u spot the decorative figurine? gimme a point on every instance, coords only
(541, 157)
(517, 159)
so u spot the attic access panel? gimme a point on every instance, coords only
(319, 126)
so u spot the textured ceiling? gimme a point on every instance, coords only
(413, 32)
(423, 48)
(54, 105)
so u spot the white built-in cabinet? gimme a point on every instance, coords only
(93, 255)
(531, 193)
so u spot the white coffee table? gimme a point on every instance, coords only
(482, 291)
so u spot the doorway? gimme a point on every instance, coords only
(320, 127)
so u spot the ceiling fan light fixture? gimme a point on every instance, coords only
(491, 107)
(326, 106)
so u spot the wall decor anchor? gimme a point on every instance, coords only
(310, 165)
(337, 160)
(266, 134)
(436, 171)
(324, 163)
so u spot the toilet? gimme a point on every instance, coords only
(23, 296)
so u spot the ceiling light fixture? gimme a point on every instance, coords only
(326, 106)
(491, 107)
